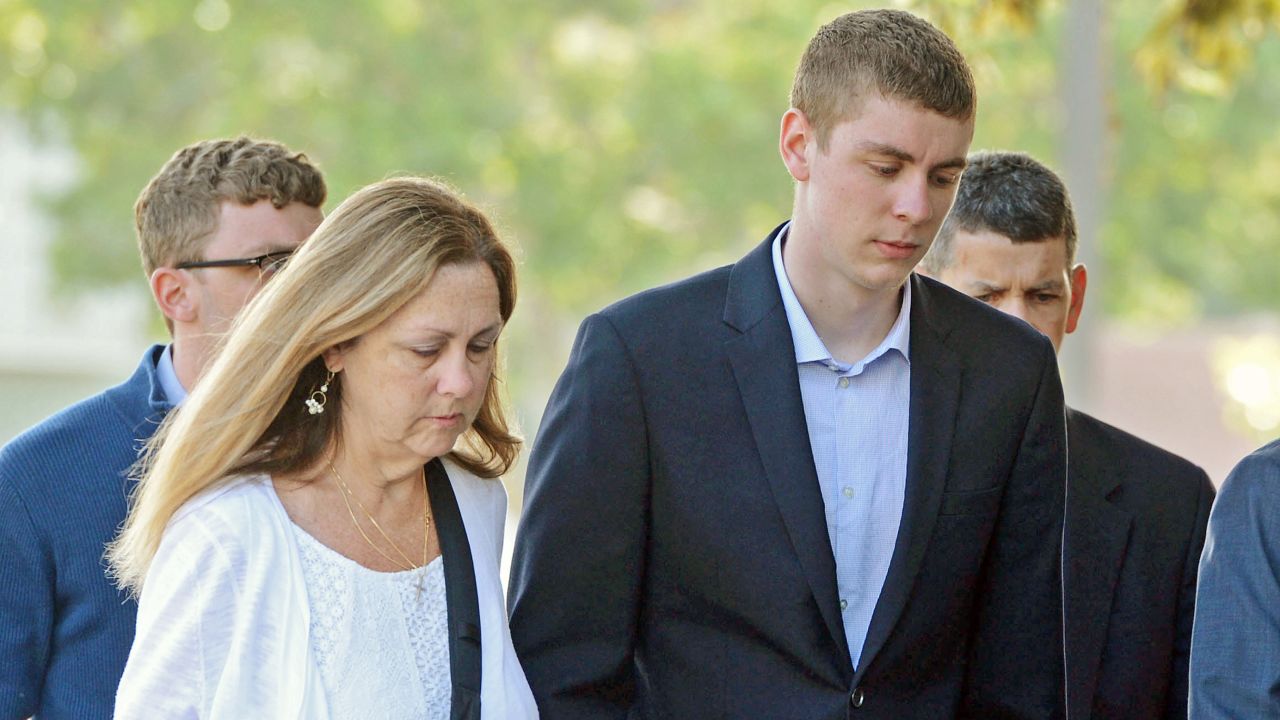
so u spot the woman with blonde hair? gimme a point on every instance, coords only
(317, 531)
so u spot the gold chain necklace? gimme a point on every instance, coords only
(348, 496)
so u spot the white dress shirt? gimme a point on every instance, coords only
(857, 416)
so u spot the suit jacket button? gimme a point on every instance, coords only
(856, 697)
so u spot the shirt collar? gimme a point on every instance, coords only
(168, 377)
(809, 347)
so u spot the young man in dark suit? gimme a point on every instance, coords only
(810, 484)
(1136, 514)
(213, 225)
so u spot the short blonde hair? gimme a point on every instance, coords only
(376, 252)
(178, 209)
(891, 52)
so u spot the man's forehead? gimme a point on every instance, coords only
(260, 227)
(992, 242)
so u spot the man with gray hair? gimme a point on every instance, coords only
(213, 225)
(1135, 513)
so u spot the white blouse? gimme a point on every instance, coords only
(379, 641)
(227, 630)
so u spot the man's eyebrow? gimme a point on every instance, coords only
(897, 153)
(1054, 284)
(984, 286)
(879, 148)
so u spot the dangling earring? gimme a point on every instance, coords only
(315, 403)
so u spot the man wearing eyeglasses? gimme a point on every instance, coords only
(207, 260)
(213, 225)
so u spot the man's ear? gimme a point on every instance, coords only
(1079, 280)
(794, 140)
(173, 292)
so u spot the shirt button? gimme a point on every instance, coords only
(843, 604)
(857, 697)
(848, 492)
(844, 382)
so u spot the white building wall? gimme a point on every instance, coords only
(52, 351)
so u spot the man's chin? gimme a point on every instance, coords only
(888, 279)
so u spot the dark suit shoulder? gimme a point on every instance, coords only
(1001, 350)
(1153, 482)
(664, 328)
(1094, 437)
(676, 301)
(984, 328)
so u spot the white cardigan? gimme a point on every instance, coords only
(223, 620)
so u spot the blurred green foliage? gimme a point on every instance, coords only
(1192, 185)
(622, 143)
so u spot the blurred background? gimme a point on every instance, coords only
(624, 143)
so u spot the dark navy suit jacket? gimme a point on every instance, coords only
(1136, 519)
(673, 558)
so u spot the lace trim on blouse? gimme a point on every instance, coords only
(382, 647)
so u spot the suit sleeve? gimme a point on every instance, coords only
(1177, 708)
(26, 605)
(578, 566)
(1235, 644)
(1016, 667)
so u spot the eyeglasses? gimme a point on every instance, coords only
(268, 265)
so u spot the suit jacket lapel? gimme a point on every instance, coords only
(935, 392)
(764, 364)
(1097, 536)
(460, 595)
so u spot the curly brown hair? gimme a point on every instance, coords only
(178, 209)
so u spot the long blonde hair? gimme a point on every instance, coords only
(376, 251)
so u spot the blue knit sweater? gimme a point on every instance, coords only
(65, 630)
